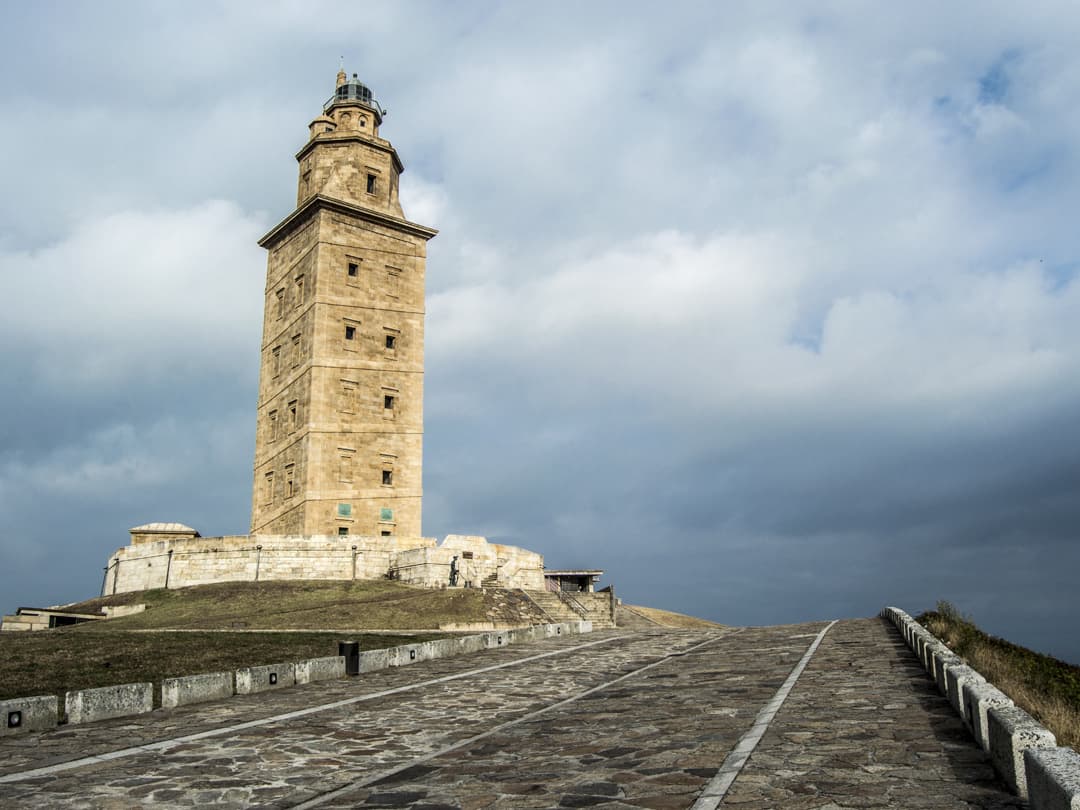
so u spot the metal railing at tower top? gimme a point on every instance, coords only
(354, 91)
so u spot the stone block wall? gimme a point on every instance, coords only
(259, 558)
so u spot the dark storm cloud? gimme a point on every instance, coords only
(772, 312)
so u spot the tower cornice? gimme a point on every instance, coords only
(367, 140)
(319, 202)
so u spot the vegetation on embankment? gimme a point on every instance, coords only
(51, 662)
(1046, 688)
(664, 618)
(296, 605)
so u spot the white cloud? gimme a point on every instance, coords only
(138, 295)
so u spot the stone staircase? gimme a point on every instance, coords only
(556, 609)
(569, 609)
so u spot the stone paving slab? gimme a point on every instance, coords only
(643, 720)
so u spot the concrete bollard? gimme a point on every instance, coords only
(1011, 732)
(263, 679)
(20, 715)
(979, 698)
(87, 705)
(196, 689)
(1053, 778)
(956, 676)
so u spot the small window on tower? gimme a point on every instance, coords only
(276, 360)
(354, 269)
(371, 184)
(388, 402)
(385, 533)
(294, 415)
(280, 294)
(388, 478)
(391, 342)
(290, 480)
(350, 332)
(342, 531)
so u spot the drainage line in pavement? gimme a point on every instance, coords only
(165, 745)
(719, 785)
(365, 782)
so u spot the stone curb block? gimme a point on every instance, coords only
(942, 661)
(87, 705)
(1053, 778)
(196, 689)
(408, 654)
(494, 640)
(320, 669)
(979, 699)
(1012, 731)
(262, 679)
(956, 676)
(20, 715)
(372, 660)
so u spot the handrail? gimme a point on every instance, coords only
(573, 604)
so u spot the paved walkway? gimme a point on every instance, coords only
(611, 719)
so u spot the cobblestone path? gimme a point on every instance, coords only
(610, 719)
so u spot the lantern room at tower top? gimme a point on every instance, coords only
(353, 91)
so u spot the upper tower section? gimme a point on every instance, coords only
(344, 158)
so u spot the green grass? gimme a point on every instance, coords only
(209, 628)
(51, 662)
(1043, 686)
(295, 605)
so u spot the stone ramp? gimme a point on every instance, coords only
(642, 719)
(867, 728)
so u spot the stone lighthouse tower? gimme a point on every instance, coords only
(338, 446)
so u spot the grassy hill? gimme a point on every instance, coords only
(229, 625)
(311, 605)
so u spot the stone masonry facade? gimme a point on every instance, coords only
(340, 418)
(181, 560)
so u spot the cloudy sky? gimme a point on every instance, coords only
(770, 310)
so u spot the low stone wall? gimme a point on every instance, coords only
(181, 562)
(21, 715)
(1024, 752)
(88, 705)
(478, 561)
